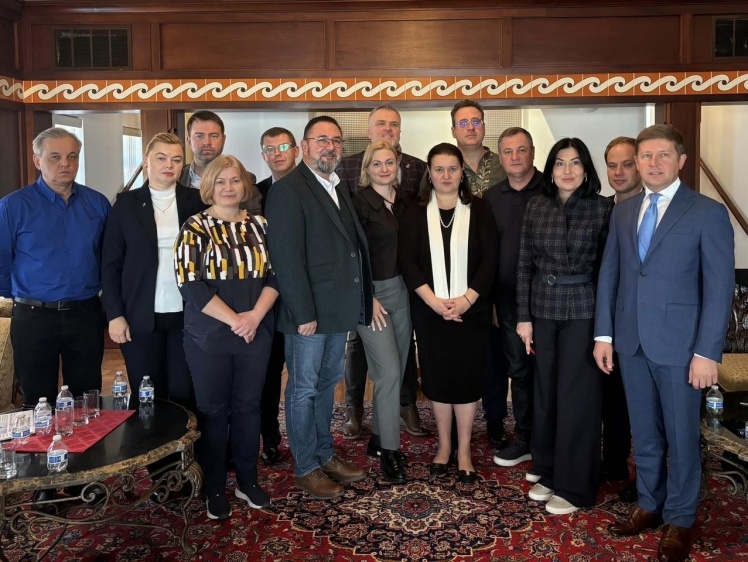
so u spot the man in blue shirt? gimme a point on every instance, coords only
(50, 259)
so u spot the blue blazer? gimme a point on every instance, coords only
(676, 303)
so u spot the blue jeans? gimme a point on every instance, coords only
(315, 366)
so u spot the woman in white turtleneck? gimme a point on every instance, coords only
(140, 295)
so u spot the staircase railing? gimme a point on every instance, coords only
(133, 179)
(729, 202)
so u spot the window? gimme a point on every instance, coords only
(132, 155)
(731, 37)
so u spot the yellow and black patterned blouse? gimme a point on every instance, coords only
(228, 259)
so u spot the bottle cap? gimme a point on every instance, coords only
(42, 399)
(57, 438)
(715, 386)
(64, 387)
(147, 377)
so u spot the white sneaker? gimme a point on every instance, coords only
(559, 506)
(540, 493)
(530, 477)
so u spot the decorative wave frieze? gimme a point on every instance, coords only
(379, 89)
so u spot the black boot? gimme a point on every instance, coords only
(374, 449)
(392, 466)
(496, 434)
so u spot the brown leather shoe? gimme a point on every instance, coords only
(639, 520)
(319, 486)
(675, 543)
(342, 471)
(409, 418)
(352, 426)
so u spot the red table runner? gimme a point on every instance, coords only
(83, 437)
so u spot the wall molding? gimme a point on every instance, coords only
(382, 89)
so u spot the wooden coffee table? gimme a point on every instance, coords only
(109, 477)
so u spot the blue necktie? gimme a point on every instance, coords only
(648, 225)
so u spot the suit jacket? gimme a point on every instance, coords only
(264, 188)
(412, 169)
(677, 302)
(130, 255)
(322, 274)
(253, 204)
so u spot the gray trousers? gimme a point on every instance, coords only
(387, 353)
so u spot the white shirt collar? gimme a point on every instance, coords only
(668, 192)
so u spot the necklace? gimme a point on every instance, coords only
(163, 211)
(215, 214)
(445, 226)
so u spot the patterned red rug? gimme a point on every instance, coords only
(426, 519)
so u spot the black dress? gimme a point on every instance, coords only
(452, 355)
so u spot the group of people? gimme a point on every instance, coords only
(492, 269)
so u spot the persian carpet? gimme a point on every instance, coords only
(425, 519)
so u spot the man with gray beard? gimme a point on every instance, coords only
(321, 260)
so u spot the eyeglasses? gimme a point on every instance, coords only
(324, 141)
(281, 148)
(465, 122)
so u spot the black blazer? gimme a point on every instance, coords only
(264, 188)
(322, 274)
(130, 255)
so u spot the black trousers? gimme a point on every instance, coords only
(160, 355)
(356, 369)
(496, 382)
(567, 407)
(616, 426)
(41, 337)
(270, 402)
(227, 391)
(519, 368)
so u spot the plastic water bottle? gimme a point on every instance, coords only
(64, 420)
(21, 431)
(146, 393)
(64, 398)
(43, 417)
(119, 385)
(57, 455)
(715, 404)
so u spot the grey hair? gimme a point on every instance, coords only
(53, 133)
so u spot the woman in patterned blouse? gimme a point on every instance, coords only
(224, 274)
(563, 236)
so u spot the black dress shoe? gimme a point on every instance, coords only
(392, 466)
(374, 449)
(270, 455)
(496, 434)
(44, 496)
(628, 493)
(466, 476)
(438, 469)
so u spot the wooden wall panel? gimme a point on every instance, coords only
(8, 64)
(291, 45)
(416, 44)
(10, 156)
(640, 42)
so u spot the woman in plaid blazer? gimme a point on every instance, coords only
(562, 241)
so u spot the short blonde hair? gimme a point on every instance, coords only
(214, 169)
(365, 180)
(166, 138)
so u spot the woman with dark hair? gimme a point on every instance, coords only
(224, 274)
(379, 206)
(562, 241)
(448, 256)
(140, 295)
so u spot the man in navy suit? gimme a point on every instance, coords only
(663, 300)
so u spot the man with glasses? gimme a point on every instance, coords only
(384, 125)
(279, 151)
(206, 137)
(321, 261)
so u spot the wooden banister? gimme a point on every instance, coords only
(734, 209)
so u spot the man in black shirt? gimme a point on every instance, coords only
(508, 201)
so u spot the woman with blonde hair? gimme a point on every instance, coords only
(224, 274)
(140, 296)
(379, 206)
